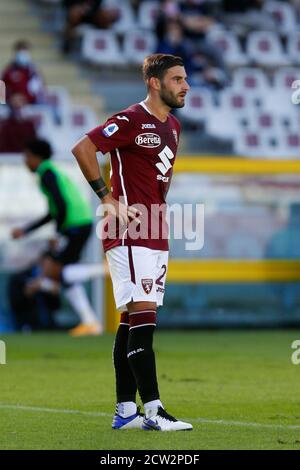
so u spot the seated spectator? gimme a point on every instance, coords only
(16, 131)
(199, 69)
(174, 42)
(196, 18)
(21, 76)
(246, 16)
(190, 20)
(85, 11)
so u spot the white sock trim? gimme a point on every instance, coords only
(139, 326)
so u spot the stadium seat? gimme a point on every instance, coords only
(42, 118)
(264, 48)
(198, 104)
(284, 77)
(251, 80)
(58, 98)
(236, 101)
(64, 141)
(138, 44)
(147, 14)
(221, 124)
(250, 143)
(101, 47)
(290, 142)
(126, 21)
(283, 14)
(81, 120)
(293, 48)
(264, 121)
(292, 121)
(229, 45)
(279, 101)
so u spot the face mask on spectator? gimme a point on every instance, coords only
(23, 58)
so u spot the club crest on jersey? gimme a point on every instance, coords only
(148, 126)
(148, 140)
(175, 135)
(147, 285)
(110, 129)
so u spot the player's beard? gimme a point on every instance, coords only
(169, 98)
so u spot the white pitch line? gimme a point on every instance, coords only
(95, 414)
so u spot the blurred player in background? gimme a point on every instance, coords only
(73, 217)
(142, 141)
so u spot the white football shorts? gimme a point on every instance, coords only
(138, 274)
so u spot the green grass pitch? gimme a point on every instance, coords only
(239, 388)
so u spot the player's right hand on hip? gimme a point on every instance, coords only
(124, 213)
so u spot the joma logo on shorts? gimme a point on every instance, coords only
(148, 140)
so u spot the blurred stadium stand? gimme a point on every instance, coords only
(250, 115)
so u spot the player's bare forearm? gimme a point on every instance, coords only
(85, 153)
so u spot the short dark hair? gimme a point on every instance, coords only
(156, 65)
(22, 44)
(39, 147)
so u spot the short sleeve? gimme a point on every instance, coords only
(116, 132)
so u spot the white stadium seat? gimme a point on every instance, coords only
(293, 48)
(283, 14)
(147, 14)
(249, 143)
(126, 21)
(290, 142)
(284, 77)
(138, 44)
(229, 46)
(222, 124)
(265, 121)
(198, 104)
(268, 144)
(58, 98)
(238, 102)
(42, 118)
(101, 47)
(279, 101)
(81, 120)
(250, 79)
(264, 48)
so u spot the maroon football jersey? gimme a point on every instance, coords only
(143, 151)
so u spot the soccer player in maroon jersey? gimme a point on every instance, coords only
(142, 141)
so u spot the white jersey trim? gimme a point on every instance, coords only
(121, 176)
(145, 107)
(123, 186)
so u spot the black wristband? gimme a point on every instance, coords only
(99, 187)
